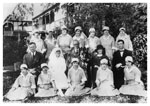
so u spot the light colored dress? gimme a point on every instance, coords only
(23, 87)
(134, 85)
(75, 77)
(93, 42)
(50, 44)
(105, 79)
(57, 65)
(64, 42)
(108, 43)
(82, 39)
(45, 85)
(127, 41)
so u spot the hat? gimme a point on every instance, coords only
(105, 28)
(44, 65)
(129, 58)
(63, 27)
(92, 30)
(122, 28)
(104, 60)
(23, 66)
(75, 60)
(78, 28)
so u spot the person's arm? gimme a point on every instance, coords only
(33, 86)
(83, 78)
(137, 76)
(97, 79)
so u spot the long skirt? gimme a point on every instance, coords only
(19, 94)
(133, 89)
(45, 93)
(77, 91)
(105, 89)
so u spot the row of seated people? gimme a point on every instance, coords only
(50, 84)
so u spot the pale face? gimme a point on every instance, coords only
(99, 51)
(128, 64)
(92, 34)
(24, 71)
(64, 31)
(104, 66)
(122, 32)
(32, 47)
(78, 32)
(106, 32)
(75, 65)
(57, 53)
(45, 69)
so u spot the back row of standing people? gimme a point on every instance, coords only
(65, 41)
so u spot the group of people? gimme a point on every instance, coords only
(78, 65)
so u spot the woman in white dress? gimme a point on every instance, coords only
(133, 84)
(64, 40)
(108, 42)
(104, 80)
(23, 87)
(76, 78)
(81, 37)
(57, 65)
(126, 38)
(93, 40)
(46, 83)
(50, 42)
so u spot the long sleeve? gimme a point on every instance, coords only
(83, 77)
(97, 78)
(110, 78)
(39, 80)
(137, 75)
(33, 82)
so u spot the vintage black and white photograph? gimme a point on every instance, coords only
(75, 52)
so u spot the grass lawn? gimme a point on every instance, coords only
(9, 78)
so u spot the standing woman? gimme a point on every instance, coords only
(50, 42)
(108, 42)
(81, 37)
(133, 84)
(57, 65)
(40, 47)
(64, 40)
(104, 81)
(126, 38)
(93, 40)
(23, 87)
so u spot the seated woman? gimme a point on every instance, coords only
(104, 80)
(23, 87)
(77, 78)
(46, 83)
(57, 65)
(95, 63)
(133, 84)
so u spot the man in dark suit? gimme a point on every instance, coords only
(33, 60)
(118, 63)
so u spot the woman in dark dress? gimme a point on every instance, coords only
(94, 64)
